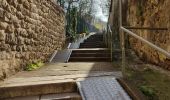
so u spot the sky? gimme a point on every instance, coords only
(98, 10)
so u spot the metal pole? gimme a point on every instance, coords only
(145, 28)
(122, 38)
(120, 13)
(111, 43)
(111, 47)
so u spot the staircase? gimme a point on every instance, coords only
(94, 41)
(92, 49)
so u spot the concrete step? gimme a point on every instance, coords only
(89, 59)
(91, 51)
(93, 40)
(64, 96)
(95, 36)
(96, 42)
(20, 90)
(90, 55)
(88, 44)
(92, 47)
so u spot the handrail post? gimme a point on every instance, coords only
(111, 45)
(122, 39)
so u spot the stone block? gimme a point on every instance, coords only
(20, 41)
(30, 1)
(7, 17)
(18, 48)
(18, 55)
(2, 35)
(3, 3)
(8, 8)
(14, 19)
(3, 46)
(1, 13)
(26, 4)
(20, 7)
(13, 10)
(15, 3)
(20, 15)
(13, 48)
(33, 8)
(21, 1)
(3, 25)
(10, 29)
(25, 12)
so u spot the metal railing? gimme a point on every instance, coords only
(111, 42)
(123, 30)
(108, 40)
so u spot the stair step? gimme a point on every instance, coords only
(90, 51)
(64, 96)
(90, 55)
(37, 89)
(89, 59)
(92, 47)
(93, 42)
(86, 44)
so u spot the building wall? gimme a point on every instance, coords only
(30, 30)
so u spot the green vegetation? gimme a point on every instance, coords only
(153, 84)
(148, 91)
(78, 16)
(34, 66)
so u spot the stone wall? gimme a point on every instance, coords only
(151, 13)
(30, 30)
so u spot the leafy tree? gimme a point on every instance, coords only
(78, 16)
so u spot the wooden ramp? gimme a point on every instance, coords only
(106, 88)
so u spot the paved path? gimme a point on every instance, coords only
(62, 71)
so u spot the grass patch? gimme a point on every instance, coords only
(148, 91)
(34, 66)
(153, 84)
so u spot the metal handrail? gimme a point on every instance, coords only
(123, 30)
(108, 40)
(110, 28)
(147, 42)
(111, 43)
(145, 28)
(166, 53)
